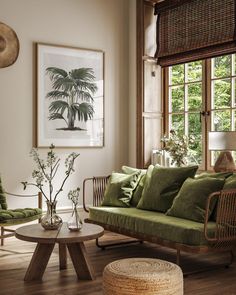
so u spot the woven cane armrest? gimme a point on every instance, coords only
(225, 232)
(98, 189)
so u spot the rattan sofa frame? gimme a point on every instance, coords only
(224, 237)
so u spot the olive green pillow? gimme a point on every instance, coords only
(225, 175)
(119, 190)
(131, 170)
(230, 182)
(3, 202)
(138, 191)
(215, 175)
(163, 186)
(190, 203)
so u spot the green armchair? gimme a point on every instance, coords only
(13, 217)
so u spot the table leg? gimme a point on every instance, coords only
(80, 261)
(39, 262)
(62, 256)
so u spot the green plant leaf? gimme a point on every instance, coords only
(83, 110)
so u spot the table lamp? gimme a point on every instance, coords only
(224, 141)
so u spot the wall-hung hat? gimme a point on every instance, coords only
(9, 46)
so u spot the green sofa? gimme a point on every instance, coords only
(142, 223)
(217, 233)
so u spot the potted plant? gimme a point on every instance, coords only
(178, 147)
(44, 176)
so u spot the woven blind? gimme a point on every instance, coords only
(194, 29)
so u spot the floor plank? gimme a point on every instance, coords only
(15, 257)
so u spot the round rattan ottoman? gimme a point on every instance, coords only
(142, 276)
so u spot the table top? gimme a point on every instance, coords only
(36, 233)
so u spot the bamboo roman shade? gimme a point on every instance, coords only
(190, 30)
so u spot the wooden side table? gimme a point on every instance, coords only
(46, 240)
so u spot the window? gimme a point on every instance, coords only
(200, 97)
(149, 100)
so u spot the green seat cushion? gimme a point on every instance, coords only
(19, 215)
(139, 189)
(153, 223)
(215, 175)
(3, 202)
(120, 188)
(159, 192)
(190, 202)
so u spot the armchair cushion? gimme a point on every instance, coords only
(16, 216)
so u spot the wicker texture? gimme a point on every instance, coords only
(143, 276)
(194, 29)
(99, 186)
(225, 220)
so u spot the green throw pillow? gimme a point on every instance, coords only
(119, 190)
(3, 202)
(164, 184)
(214, 175)
(190, 202)
(131, 170)
(225, 175)
(138, 191)
(230, 182)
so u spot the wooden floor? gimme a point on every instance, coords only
(15, 257)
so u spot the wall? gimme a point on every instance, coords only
(95, 24)
(132, 83)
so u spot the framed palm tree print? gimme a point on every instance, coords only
(70, 96)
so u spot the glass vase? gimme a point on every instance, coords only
(75, 223)
(51, 220)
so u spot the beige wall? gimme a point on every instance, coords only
(95, 24)
(132, 83)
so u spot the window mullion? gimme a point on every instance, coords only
(233, 93)
(185, 99)
(208, 73)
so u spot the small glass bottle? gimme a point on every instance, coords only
(75, 223)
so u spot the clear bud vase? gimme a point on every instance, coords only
(51, 220)
(75, 223)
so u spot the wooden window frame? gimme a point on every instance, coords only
(206, 105)
(143, 115)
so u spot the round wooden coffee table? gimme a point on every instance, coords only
(46, 240)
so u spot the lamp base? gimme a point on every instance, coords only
(225, 162)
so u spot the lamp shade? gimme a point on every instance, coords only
(222, 141)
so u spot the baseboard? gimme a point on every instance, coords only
(67, 209)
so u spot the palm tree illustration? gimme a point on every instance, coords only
(72, 95)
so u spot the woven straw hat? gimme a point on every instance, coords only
(9, 46)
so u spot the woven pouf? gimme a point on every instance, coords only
(142, 276)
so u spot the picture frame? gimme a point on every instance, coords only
(70, 96)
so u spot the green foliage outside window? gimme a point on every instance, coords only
(185, 96)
